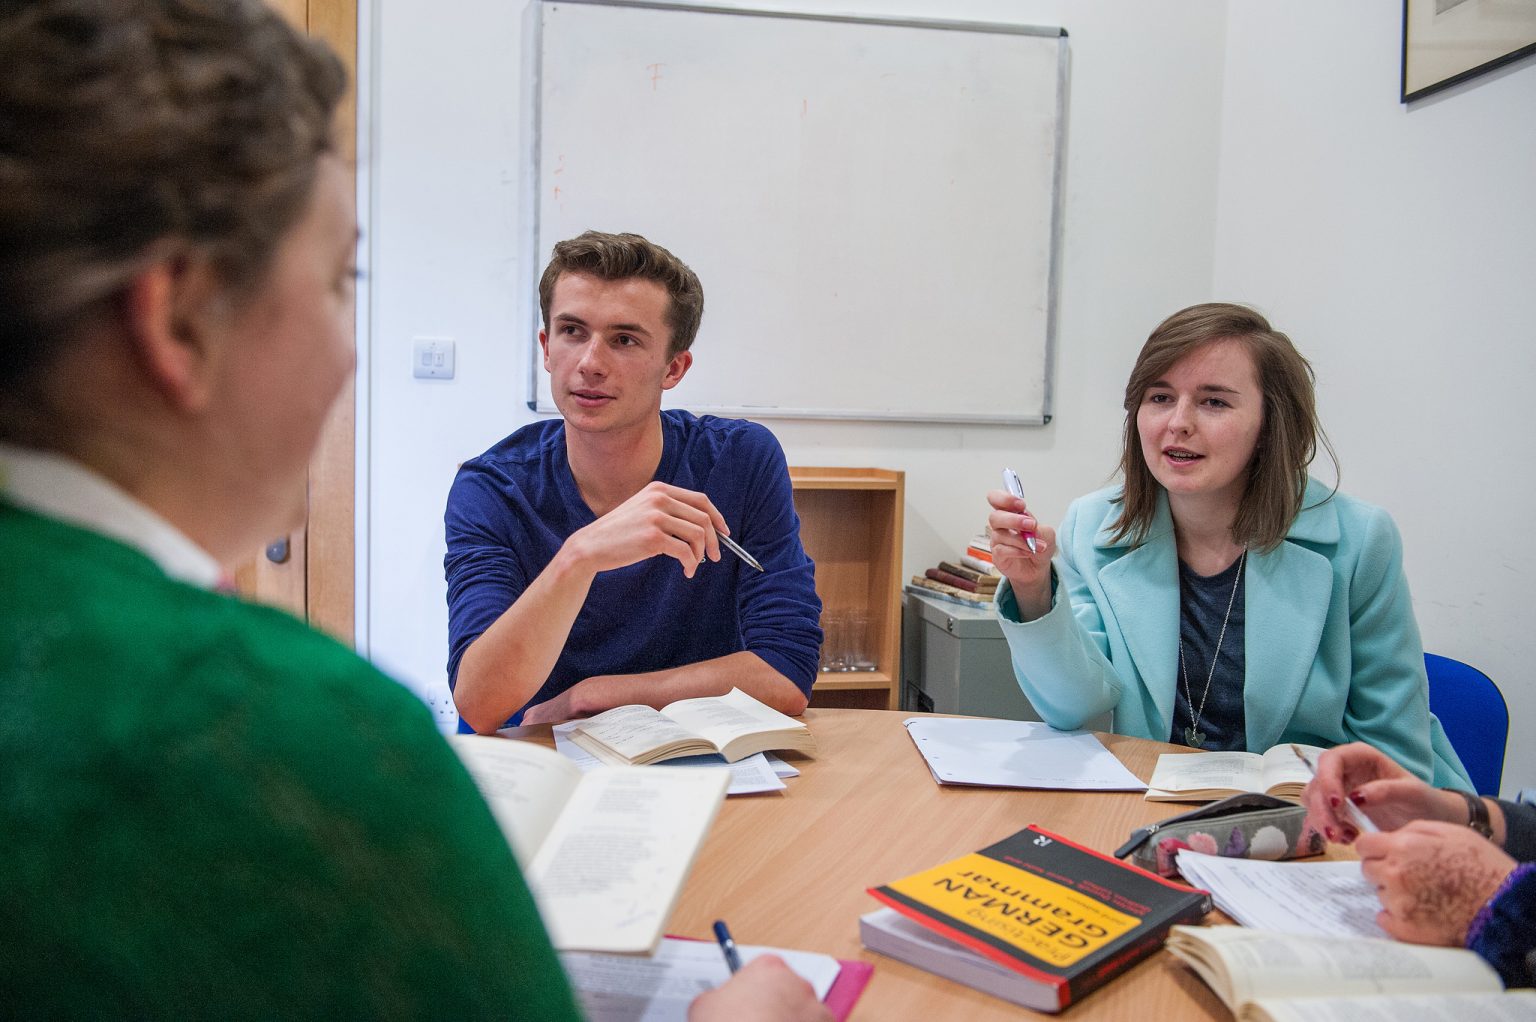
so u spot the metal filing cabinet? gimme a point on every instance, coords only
(954, 659)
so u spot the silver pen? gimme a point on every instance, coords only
(1361, 821)
(1011, 480)
(735, 548)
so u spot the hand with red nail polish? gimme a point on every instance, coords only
(1389, 795)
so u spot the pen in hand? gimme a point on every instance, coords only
(727, 945)
(1361, 821)
(735, 548)
(1011, 480)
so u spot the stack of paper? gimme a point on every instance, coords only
(1017, 754)
(1327, 899)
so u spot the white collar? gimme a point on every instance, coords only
(53, 485)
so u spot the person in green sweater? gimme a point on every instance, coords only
(207, 808)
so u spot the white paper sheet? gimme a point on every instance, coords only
(1330, 899)
(1017, 754)
(658, 988)
(751, 776)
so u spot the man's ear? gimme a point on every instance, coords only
(677, 368)
(544, 347)
(172, 311)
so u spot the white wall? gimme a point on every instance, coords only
(1265, 160)
(1397, 246)
(1140, 224)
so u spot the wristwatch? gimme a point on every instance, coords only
(1477, 813)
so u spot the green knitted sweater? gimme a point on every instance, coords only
(208, 809)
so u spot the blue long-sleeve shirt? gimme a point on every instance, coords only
(512, 508)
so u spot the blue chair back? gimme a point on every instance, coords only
(1472, 711)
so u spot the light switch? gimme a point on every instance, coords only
(432, 358)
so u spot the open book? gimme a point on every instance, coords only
(734, 725)
(606, 852)
(1272, 977)
(1207, 776)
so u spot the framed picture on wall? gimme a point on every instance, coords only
(1449, 41)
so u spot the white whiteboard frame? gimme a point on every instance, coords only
(531, 315)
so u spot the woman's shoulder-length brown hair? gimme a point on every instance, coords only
(1288, 435)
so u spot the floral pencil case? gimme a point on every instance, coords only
(1246, 826)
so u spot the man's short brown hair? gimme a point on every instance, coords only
(627, 256)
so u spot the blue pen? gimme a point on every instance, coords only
(727, 945)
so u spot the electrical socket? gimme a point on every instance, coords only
(432, 358)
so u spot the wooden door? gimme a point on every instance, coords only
(315, 581)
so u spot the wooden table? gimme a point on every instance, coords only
(791, 870)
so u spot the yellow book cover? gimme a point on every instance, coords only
(1065, 918)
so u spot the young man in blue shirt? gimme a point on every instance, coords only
(583, 566)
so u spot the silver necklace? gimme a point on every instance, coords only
(1193, 736)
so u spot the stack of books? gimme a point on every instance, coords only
(970, 578)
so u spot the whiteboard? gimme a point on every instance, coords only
(872, 205)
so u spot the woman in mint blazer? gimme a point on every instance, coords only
(1219, 597)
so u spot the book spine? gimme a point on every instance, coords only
(978, 564)
(979, 553)
(930, 591)
(967, 573)
(974, 599)
(940, 575)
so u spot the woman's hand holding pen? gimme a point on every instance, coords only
(1028, 571)
(1379, 787)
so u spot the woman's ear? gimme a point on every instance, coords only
(173, 312)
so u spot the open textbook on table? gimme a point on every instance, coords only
(606, 852)
(1208, 776)
(1272, 977)
(734, 725)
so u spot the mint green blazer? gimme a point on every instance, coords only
(1333, 652)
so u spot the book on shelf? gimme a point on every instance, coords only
(953, 592)
(733, 725)
(976, 563)
(1207, 776)
(1275, 977)
(978, 553)
(951, 579)
(1034, 919)
(968, 600)
(564, 825)
(981, 578)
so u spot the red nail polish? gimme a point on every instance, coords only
(1329, 831)
(1357, 797)
(1350, 834)
(1333, 801)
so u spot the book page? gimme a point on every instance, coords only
(721, 719)
(751, 776)
(1208, 771)
(659, 988)
(609, 872)
(1263, 964)
(1283, 766)
(525, 785)
(1514, 1006)
(632, 731)
(1328, 899)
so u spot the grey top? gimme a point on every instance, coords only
(1203, 603)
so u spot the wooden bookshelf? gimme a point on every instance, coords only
(850, 523)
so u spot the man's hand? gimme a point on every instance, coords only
(766, 990)
(660, 519)
(1432, 878)
(582, 699)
